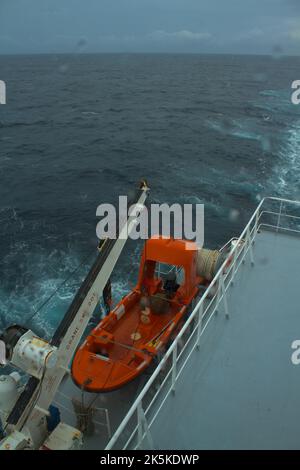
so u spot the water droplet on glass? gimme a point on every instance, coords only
(81, 44)
(277, 52)
(63, 68)
(234, 215)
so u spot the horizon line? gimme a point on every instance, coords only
(257, 54)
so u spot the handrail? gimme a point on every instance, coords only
(243, 244)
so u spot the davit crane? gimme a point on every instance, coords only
(24, 415)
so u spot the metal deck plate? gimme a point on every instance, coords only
(241, 390)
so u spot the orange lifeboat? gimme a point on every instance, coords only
(128, 339)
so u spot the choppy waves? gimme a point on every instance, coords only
(287, 170)
(81, 146)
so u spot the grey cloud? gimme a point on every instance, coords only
(183, 35)
(234, 26)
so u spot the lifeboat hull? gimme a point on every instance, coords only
(97, 374)
(140, 327)
(118, 350)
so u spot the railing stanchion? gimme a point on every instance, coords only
(233, 265)
(224, 297)
(174, 367)
(218, 295)
(255, 226)
(279, 216)
(108, 423)
(200, 317)
(249, 245)
(140, 424)
(143, 428)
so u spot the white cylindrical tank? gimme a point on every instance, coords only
(31, 353)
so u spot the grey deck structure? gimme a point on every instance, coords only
(227, 381)
(241, 390)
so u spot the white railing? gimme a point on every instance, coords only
(136, 425)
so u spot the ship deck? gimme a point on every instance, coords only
(227, 381)
(240, 390)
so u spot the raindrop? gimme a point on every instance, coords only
(81, 44)
(277, 52)
(63, 68)
(234, 215)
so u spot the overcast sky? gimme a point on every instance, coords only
(230, 26)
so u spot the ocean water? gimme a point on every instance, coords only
(79, 130)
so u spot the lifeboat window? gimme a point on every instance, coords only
(162, 270)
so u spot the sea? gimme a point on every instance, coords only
(79, 130)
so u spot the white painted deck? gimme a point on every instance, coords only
(241, 390)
